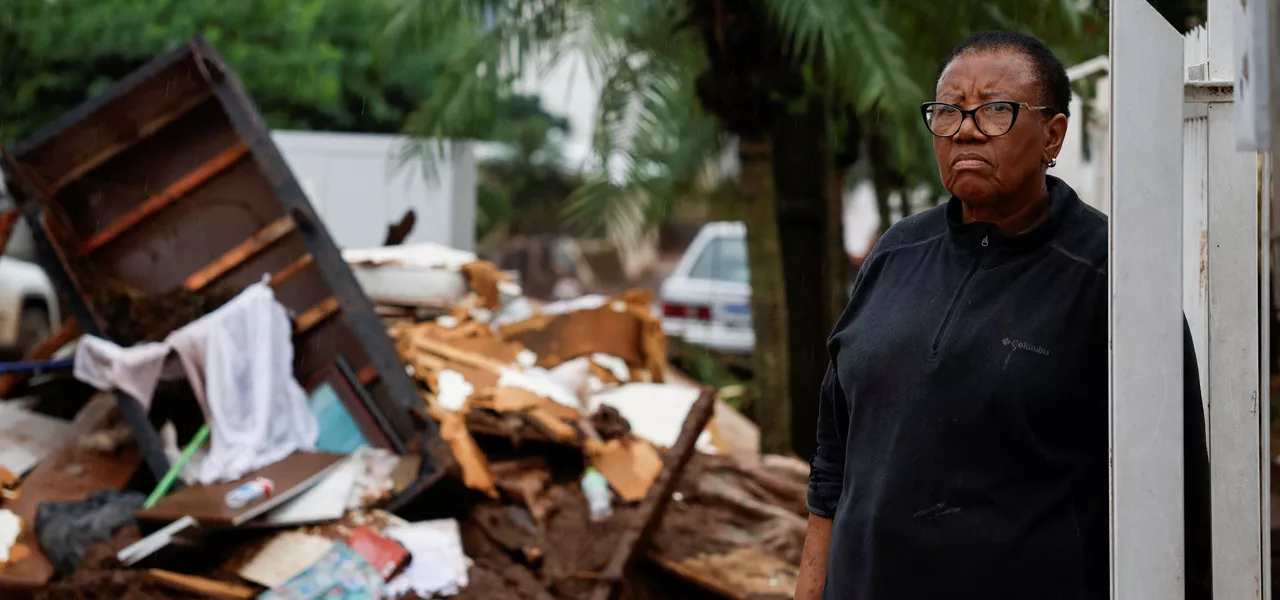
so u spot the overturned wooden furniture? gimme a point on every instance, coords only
(168, 187)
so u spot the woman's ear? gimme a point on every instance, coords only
(1055, 134)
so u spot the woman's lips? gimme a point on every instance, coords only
(968, 164)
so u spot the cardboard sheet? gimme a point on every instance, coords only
(284, 557)
(630, 467)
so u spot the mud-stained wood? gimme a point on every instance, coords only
(649, 513)
(235, 257)
(183, 186)
(317, 314)
(284, 275)
(71, 473)
(144, 132)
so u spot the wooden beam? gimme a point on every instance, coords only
(69, 331)
(316, 315)
(235, 257)
(183, 186)
(201, 586)
(649, 513)
(284, 275)
(144, 131)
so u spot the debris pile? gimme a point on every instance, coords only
(525, 408)
(261, 429)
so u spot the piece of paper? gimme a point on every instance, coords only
(284, 557)
(656, 411)
(27, 437)
(10, 529)
(438, 567)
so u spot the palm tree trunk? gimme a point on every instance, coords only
(837, 277)
(772, 400)
(800, 166)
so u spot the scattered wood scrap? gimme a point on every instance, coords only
(650, 511)
(200, 586)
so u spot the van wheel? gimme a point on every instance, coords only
(33, 327)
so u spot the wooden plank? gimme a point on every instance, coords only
(649, 513)
(183, 186)
(471, 359)
(8, 220)
(245, 250)
(1147, 503)
(316, 315)
(146, 130)
(70, 330)
(1235, 416)
(284, 275)
(297, 473)
(200, 586)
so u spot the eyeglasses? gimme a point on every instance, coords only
(992, 118)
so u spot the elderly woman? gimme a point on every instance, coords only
(962, 434)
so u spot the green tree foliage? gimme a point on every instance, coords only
(309, 64)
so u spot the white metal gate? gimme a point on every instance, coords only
(1173, 138)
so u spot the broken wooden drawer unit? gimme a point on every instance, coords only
(164, 197)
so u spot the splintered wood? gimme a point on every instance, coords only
(465, 366)
(623, 326)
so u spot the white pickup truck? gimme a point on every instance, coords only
(28, 302)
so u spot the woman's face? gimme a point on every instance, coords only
(982, 170)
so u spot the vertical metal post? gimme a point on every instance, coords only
(1147, 506)
(1234, 378)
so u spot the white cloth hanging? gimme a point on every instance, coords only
(106, 366)
(243, 354)
(239, 361)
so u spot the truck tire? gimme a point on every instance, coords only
(33, 327)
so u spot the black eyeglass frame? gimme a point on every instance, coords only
(973, 114)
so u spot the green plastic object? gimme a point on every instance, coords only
(167, 482)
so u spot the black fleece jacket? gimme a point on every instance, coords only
(962, 432)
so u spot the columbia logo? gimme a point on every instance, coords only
(1019, 345)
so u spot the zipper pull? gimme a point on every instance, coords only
(984, 241)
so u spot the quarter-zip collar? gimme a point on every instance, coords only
(986, 238)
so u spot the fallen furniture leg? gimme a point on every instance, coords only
(650, 511)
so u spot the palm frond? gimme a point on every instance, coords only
(860, 54)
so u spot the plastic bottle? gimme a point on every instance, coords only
(249, 491)
(596, 488)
